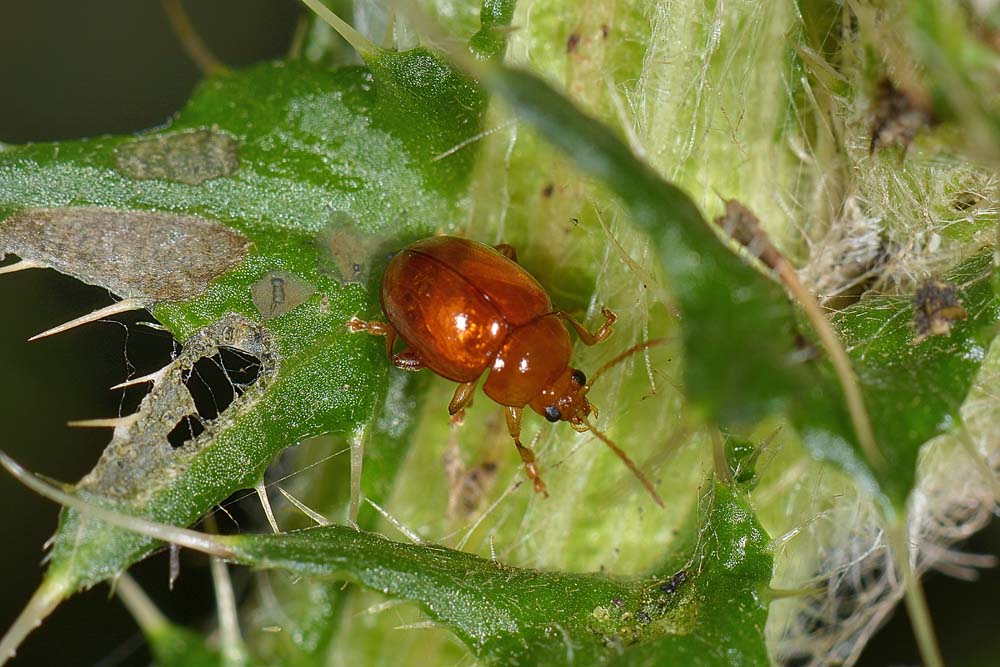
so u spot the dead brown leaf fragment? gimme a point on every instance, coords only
(936, 307)
(140, 460)
(191, 157)
(898, 116)
(142, 255)
(741, 224)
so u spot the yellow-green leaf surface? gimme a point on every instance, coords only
(743, 358)
(284, 187)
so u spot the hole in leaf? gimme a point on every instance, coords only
(188, 428)
(216, 381)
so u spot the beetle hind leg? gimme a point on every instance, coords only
(527, 456)
(407, 360)
(461, 400)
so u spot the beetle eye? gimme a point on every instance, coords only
(578, 377)
(552, 413)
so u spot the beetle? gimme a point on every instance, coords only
(464, 309)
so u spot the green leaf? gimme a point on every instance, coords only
(173, 645)
(703, 607)
(310, 166)
(915, 391)
(726, 303)
(495, 18)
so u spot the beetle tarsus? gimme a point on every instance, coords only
(507, 251)
(586, 337)
(375, 328)
(513, 416)
(407, 360)
(531, 468)
(355, 325)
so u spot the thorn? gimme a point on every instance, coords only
(420, 625)
(44, 601)
(122, 306)
(358, 441)
(411, 534)
(308, 511)
(359, 42)
(783, 593)
(234, 651)
(147, 616)
(108, 422)
(191, 41)
(21, 266)
(208, 544)
(175, 566)
(152, 377)
(266, 504)
(379, 608)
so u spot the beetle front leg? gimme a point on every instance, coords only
(527, 456)
(586, 337)
(355, 325)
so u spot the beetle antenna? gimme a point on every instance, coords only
(638, 347)
(627, 461)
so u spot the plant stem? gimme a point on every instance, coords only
(841, 362)
(189, 38)
(913, 595)
(191, 539)
(48, 596)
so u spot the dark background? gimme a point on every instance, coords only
(73, 69)
(70, 70)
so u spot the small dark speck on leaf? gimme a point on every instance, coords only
(670, 586)
(279, 292)
(548, 190)
(572, 42)
(936, 307)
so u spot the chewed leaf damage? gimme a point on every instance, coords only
(141, 457)
(190, 157)
(140, 255)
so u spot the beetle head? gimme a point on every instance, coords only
(566, 400)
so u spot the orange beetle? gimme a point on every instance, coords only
(464, 309)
